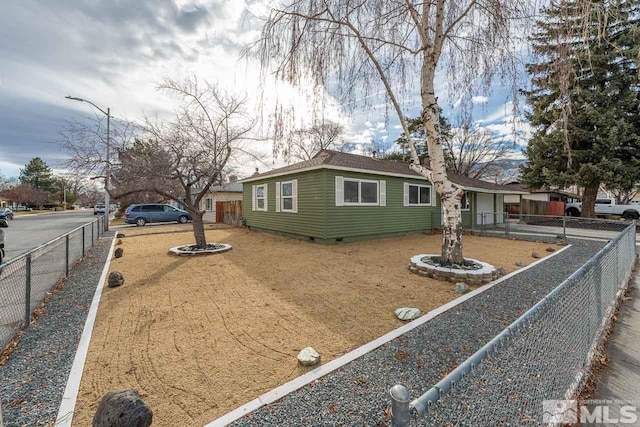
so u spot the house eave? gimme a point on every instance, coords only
(374, 172)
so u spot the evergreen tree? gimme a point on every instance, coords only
(38, 175)
(585, 100)
(418, 134)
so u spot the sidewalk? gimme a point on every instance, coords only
(620, 381)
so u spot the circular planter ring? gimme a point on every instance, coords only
(220, 247)
(487, 273)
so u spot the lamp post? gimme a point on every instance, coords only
(107, 197)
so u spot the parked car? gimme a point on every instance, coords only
(154, 212)
(8, 213)
(606, 207)
(98, 209)
(3, 223)
(22, 209)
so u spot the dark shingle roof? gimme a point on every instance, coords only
(366, 163)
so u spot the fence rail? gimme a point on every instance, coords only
(26, 280)
(543, 355)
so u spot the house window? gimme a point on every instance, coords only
(286, 196)
(464, 203)
(261, 200)
(360, 192)
(419, 195)
(208, 202)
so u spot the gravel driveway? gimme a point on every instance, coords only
(357, 394)
(33, 379)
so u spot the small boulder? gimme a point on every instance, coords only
(535, 255)
(407, 313)
(122, 408)
(461, 288)
(520, 263)
(501, 271)
(308, 357)
(118, 253)
(550, 249)
(118, 242)
(115, 279)
(120, 235)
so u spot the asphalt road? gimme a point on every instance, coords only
(27, 232)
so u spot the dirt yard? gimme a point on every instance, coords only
(200, 336)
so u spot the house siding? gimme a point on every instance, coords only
(308, 222)
(221, 196)
(356, 222)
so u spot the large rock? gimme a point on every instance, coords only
(118, 253)
(308, 357)
(461, 288)
(115, 279)
(118, 242)
(407, 313)
(535, 255)
(122, 408)
(550, 249)
(120, 235)
(520, 263)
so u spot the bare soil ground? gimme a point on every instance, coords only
(200, 336)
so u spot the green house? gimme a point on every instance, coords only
(340, 197)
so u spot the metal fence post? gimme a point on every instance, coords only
(66, 256)
(564, 228)
(83, 240)
(92, 234)
(482, 223)
(400, 397)
(27, 291)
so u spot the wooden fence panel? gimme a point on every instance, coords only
(232, 212)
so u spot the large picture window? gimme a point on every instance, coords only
(360, 192)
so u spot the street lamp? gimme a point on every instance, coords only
(107, 197)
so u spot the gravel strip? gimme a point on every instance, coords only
(32, 381)
(357, 394)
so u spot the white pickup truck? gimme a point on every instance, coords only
(606, 207)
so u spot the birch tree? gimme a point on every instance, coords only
(398, 46)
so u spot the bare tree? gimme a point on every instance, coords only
(182, 158)
(476, 152)
(305, 143)
(391, 43)
(85, 142)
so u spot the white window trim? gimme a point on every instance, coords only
(293, 197)
(263, 197)
(360, 181)
(431, 201)
(208, 201)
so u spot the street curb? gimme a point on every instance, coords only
(68, 403)
(303, 380)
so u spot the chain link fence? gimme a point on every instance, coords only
(561, 227)
(25, 281)
(543, 356)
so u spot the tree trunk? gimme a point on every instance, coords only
(450, 194)
(589, 201)
(198, 228)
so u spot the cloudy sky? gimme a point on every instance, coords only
(115, 52)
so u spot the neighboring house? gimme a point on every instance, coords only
(338, 197)
(513, 202)
(212, 202)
